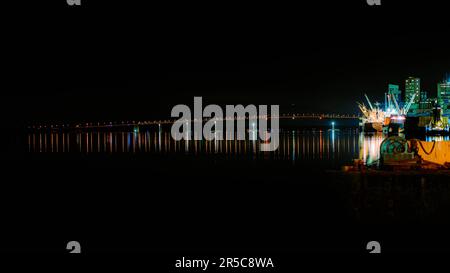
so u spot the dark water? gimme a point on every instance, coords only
(326, 148)
(141, 191)
(331, 148)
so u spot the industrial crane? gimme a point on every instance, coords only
(405, 109)
(408, 105)
(368, 101)
(371, 114)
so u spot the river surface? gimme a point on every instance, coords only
(142, 191)
(324, 147)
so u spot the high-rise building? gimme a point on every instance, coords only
(412, 87)
(395, 91)
(425, 103)
(423, 96)
(443, 95)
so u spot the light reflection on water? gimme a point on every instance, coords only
(295, 145)
(369, 145)
(437, 138)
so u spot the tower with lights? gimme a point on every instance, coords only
(412, 86)
(443, 95)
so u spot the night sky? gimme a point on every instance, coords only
(116, 60)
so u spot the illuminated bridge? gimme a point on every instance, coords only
(112, 124)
